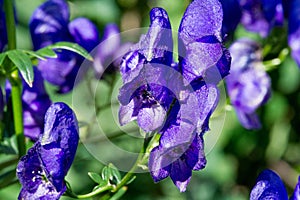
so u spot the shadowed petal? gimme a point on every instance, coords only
(159, 167)
(180, 174)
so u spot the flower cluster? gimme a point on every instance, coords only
(42, 170)
(248, 85)
(176, 99)
(269, 186)
(48, 26)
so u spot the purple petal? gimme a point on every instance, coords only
(85, 33)
(126, 113)
(248, 120)
(60, 131)
(159, 167)
(180, 174)
(47, 25)
(201, 18)
(296, 193)
(34, 180)
(150, 119)
(232, 15)
(3, 35)
(294, 29)
(157, 45)
(195, 156)
(35, 103)
(268, 186)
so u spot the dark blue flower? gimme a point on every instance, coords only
(42, 170)
(48, 26)
(175, 99)
(261, 16)
(270, 186)
(248, 84)
(293, 8)
(3, 34)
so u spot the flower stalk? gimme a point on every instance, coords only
(14, 79)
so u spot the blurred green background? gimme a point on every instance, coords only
(237, 157)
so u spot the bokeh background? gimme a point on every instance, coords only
(238, 155)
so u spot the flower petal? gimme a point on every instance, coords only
(180, 174)
(150, 119)
(296, 193)
(159, 166)
(61, 131)
(84, 32)
(47, 25)
(195, 156)
(268, 186)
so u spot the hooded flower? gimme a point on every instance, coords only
(269, 186)
(175, 99)
(248, 85)
(261, 16)
(48, 26)
(293, 8)
(3, 34)
(42, 170)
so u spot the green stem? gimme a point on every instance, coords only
(91, 194)
(14, 78)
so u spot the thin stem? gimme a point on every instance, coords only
(14, 78)
(91, 194)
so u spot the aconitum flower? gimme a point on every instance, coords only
(175, 99)
(110, 51)
(261, 16)
(3, 34)
(49, 24)
(270, 186)
(42, 170)
(293, 8)
(248, 85)
(35, 101)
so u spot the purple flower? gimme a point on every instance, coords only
(35, 103)
(270, 186)
(48, 26)
(42, 170)
(261, 16)
(3, 34)
(110, 51)
(175, 99)
(293, 8)
(248, 85)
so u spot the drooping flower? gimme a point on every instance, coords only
(270, 186)
(110, 51)
(248, 85)
(176, 99)
(42, 170)
(3, 34)
(293, 8)
(261, 16)
(48, 26)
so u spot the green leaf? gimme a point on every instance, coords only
(131, 180)
(2, 58)
(115, 172)
(34, 54)
(46, 52)
(106, 173)
(23, 63)
(95, 177)
(72, 47)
